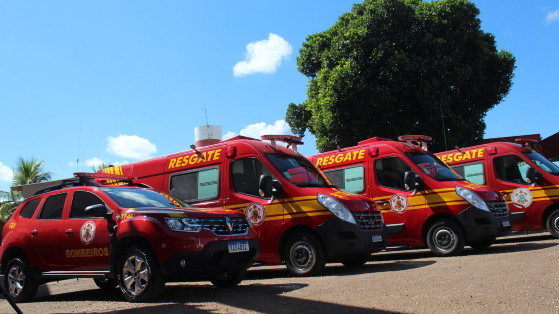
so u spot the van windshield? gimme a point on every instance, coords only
(138, 198)
(543, 163)
(298, 170)
(433, 167)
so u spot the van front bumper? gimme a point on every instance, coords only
(480, 225)
(346, 240)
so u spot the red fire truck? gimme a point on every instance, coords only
(422, 200)
(528, 180)
(299, 217)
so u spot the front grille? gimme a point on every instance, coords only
(368, 220)
(498, 208)
(219, 225)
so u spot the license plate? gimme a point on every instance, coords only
(238, 246)
(377, 237)
(505, 223)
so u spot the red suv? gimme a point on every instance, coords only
(128, 236)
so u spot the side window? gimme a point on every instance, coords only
(510, 168)
(80, 201)
(348, 179)
(195, 185)
(246, 174)
(29, 209)
(53, 207)
(471, 172)
(390, 172)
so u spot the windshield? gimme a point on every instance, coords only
(543, 163)
(138, 198)
(433, 167)
(298, 171)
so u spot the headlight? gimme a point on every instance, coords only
(184, 224)
(336, 208)
(472, 198)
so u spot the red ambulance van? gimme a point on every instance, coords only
(422, 200)
(299, 217)
(528, 180)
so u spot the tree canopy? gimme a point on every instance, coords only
(394, 67)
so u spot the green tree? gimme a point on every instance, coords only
(394, 67)
(26, 172)
(99, 167)
(30, 171)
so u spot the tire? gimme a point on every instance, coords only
(105, 283)
(356, 261)
(304, 255)
(229, 280)
(553, 223)
(482, 244)
(18, 280)
(139, 277)
(445, 238)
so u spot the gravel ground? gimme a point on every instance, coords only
(516, 275)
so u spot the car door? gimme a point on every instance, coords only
(47, 233)
(86, 237)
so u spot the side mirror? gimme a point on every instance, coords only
(533, 176)
(269, 187)
(97, 210)
(412, 181)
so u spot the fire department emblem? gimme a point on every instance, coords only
(521, 197)
(255, 213)
(399, 203)
(87, 232)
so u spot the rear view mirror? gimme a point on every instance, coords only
(413, 181)
(97, 210)
(533, 176)
(269, 187)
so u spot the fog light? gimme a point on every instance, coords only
(183, 263)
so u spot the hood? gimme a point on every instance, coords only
(485, 192)
(185, 211)
(354, 202)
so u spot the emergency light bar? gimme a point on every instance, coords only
(291, 140)
(421, 140)
(102, 176)
(527, 142)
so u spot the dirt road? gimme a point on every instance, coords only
(516, 275)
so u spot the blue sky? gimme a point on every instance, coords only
(118, 81)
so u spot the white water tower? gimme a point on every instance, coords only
(207, 135)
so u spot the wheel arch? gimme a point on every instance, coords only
(10, 253)
(547, 212)
(434, 218)
(294, 230)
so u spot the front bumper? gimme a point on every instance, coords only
(213, 259)
(345, 240)
(480, 225)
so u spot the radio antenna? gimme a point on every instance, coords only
(206, 112)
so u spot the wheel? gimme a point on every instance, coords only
(553, 223)
(105, 283)
(304, 255)
(482, 244)
(445, 238)
(228, 280)
(138, 275)
(356, 261)
(18, 280)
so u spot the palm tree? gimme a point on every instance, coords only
(30, 171)
(26, 172)
(102, 165)
(8, 203)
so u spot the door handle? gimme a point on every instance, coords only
(70, 232)
(34, 232)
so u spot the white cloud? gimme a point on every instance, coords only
(552, 17)
(258, 129)
(130, 146)
(263, 56)
(94, 162)
(229, 135)
(6, 174)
